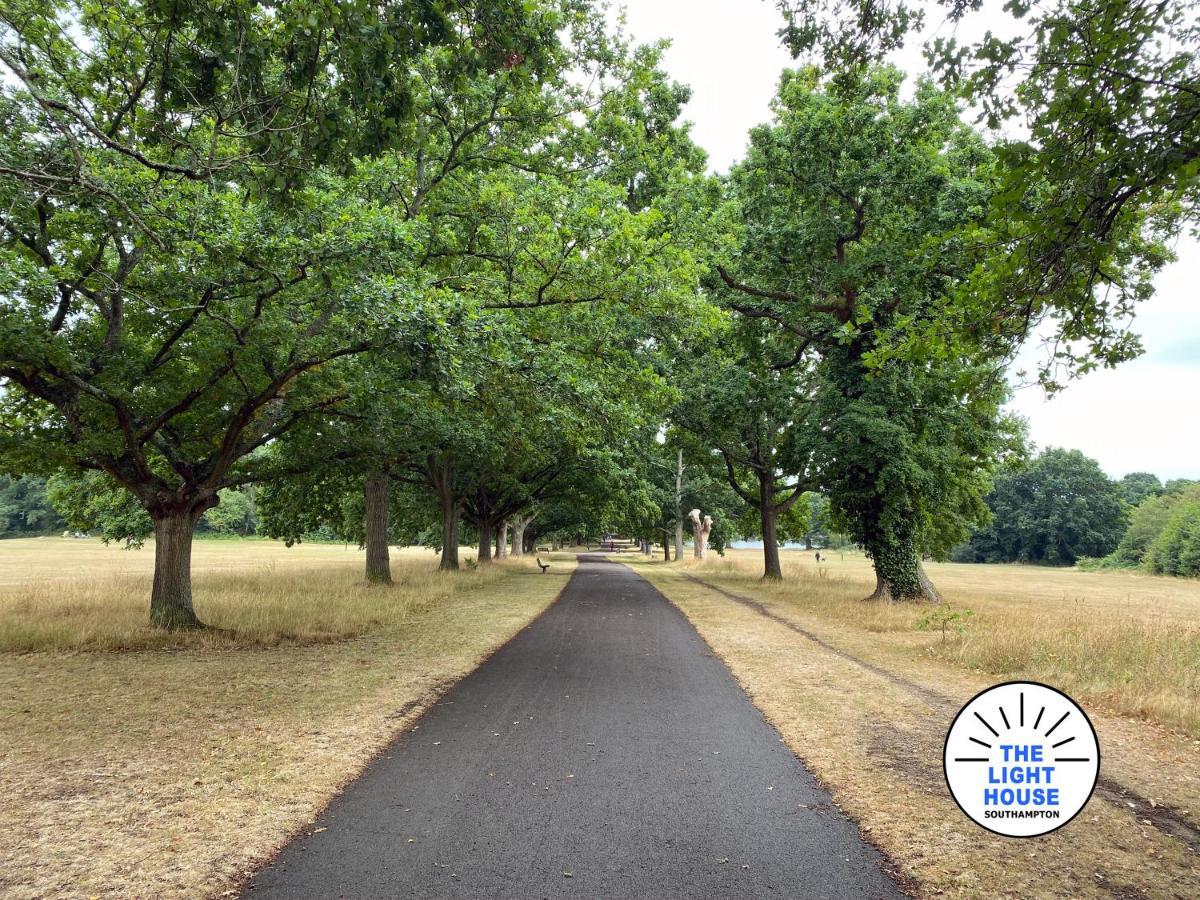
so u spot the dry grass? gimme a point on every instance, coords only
(171, 772)
(61, 594)
(867, 710)
(1129, 643)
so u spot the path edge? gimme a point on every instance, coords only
(907, 885)
(405, 717)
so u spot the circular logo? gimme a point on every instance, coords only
(1021, 759)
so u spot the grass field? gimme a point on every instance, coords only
(1129, 642)
(64, 594)
(134, 763)
(864, 698)
(137, 764)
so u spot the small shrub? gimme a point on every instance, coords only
(944, 618)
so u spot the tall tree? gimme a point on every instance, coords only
(857, 205)
(1136, 487)
(1061, 508)
(748, 397)
(24, 508)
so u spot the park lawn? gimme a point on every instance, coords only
(867, 704)
(147, 766)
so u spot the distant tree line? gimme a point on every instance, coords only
(1062, 509)
(31, 506)
(24, 509)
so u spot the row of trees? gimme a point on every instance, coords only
(404, 266)
(890, 259)
(331, 246)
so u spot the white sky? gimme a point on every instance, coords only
(1143, 416)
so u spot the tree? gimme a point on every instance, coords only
(190, 248)
(856, 208)
(1137, 487)
(1176, 548)
(907, 457)
(817, 533)
(754, 414)
(1109, 91)
(520, 222)
(92, 501)
(1062, 508)
(658, 489)
(235, 514)
(1146, 522)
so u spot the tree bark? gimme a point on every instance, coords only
(899, 575)
(701, 528)
(520, 523)
(440, 476)
(450, 519)
(171, 595)
(486, 530)
(767, 515)
(679, 506)
(502, 540)
(378, 492)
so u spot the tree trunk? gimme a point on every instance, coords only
(899, 575)
(666, 546)
(378, 491)
(767, 515)
(502, 540)
(486, 530)
(519, 525)
(450, 519)
(679, 507)
(171, 596)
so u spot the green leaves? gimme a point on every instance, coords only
(1107, 175)
(1061, 508)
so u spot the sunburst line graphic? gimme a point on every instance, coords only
(986, 725)
(1059, 722)
(1021, 722)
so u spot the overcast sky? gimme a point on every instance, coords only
(1143, 416)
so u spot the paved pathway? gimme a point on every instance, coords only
(604, 752)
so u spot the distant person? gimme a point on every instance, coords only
(818, 556)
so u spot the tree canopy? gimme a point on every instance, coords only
(455, 269)
(1100, 102)
(863, 241)
(1061, 508)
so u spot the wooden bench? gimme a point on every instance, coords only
(544, 566)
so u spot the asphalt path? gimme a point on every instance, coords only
(604, 752)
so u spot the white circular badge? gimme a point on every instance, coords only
(1021, 759)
